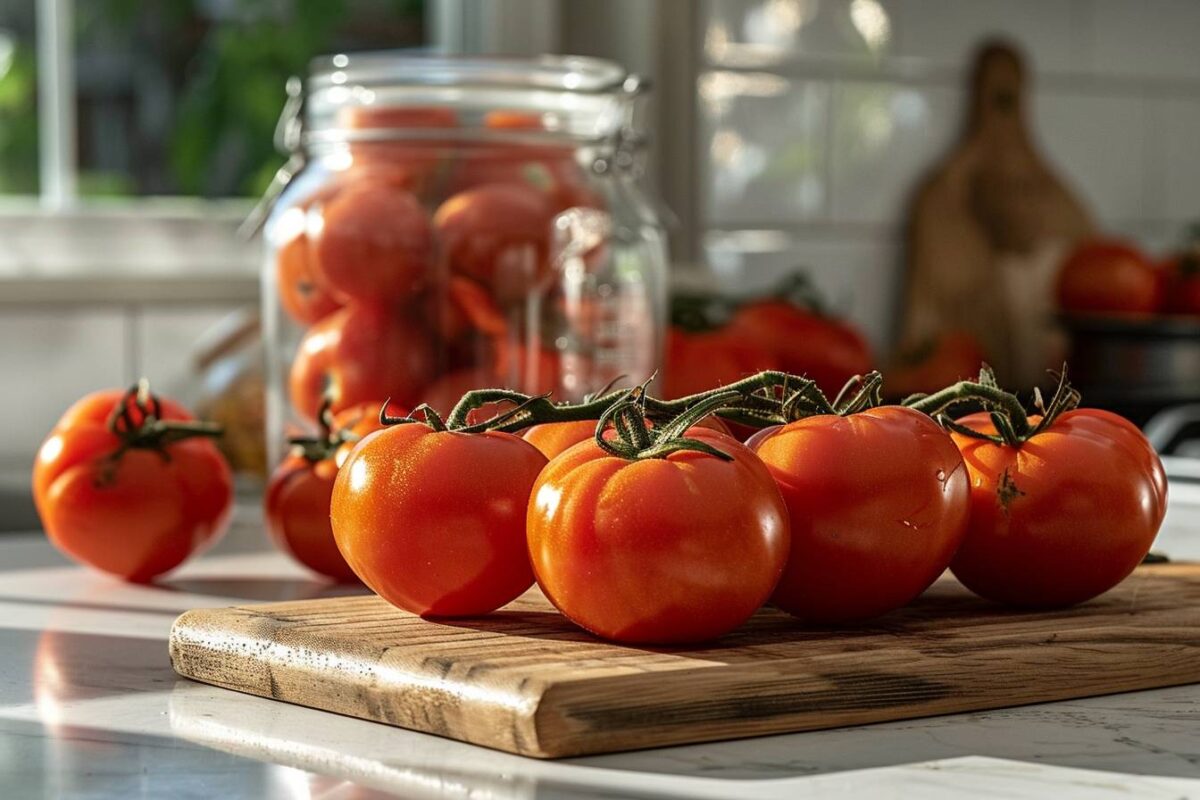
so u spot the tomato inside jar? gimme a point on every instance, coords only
(457, 224)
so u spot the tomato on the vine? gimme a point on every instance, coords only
(553, 438)
(126, 483)
(679, 548)
(361, 352)
(297, 514)
(434, 520)
(878, 503)
(355, 422)
(1063, 516)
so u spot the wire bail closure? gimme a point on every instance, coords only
(289, 141)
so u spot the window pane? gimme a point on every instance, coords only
(180, 97)
(18, 99)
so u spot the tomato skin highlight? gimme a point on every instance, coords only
(878, 503)
(681, 549)
(296, 506)
(138, 516)
(1065, 516)
(434, 521)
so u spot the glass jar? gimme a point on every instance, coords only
(448, 224)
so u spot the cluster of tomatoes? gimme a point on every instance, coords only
(1113, 277)
(655, 525)
(642, 520)
(407, 267)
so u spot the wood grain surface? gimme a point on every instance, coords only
(526, 681)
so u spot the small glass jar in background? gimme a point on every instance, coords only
(458, 223)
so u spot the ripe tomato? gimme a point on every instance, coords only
(1183, 283)
(677, 549)
(470, 310)
(434, 521)
(297, 514)
(527, 367)
(137, 512)
(823, 349)
(697, 362)
(497, 234)
(1063, 517)
(359, 353)
(301, 292)
(1108, 277)
(952, 356)
(878, 503)
(373, 242)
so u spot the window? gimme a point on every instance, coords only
(170, 98)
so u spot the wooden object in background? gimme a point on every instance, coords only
(988, 228)
(525, 680)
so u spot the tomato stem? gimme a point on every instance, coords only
(636, 441)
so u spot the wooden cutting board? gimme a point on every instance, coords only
(526, 681)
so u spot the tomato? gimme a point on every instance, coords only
(1183, 283)
(826, 350)
(950, 357)
(497, 234)
(434, 521)
(1108, 277)
(361, 352)
(1063, 517)
(297, 514)
(301, 293)
(372, 242)
(135, 513)
(697, 362)
(878, 503)
(663, 550)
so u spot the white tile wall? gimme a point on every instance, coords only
(885, 137)
(49, 359)
(1181, 150)
(946, 32)
(1115, 102)
(167, 339)
(1151, 39)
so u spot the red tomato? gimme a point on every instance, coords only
(138, 513)
(665, 550)
(1108, 277)
(297, 514)
(953, 356)
(697, 362)
(374, 243)
(522, 367)
(1183, 284)
(878, 503)
(1063, 517)
(302, 295)
(823, 349)
(360, 353)
(497, 234)
(434, 521)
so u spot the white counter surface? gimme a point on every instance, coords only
(90, 708)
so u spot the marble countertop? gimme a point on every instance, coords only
(89, 707)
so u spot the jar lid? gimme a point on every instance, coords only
(573, 96)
